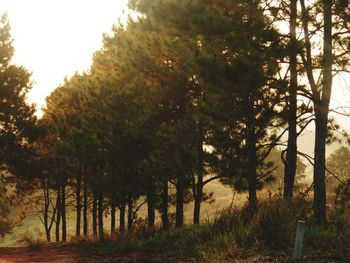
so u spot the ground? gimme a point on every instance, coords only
(53, 255)
(20, 255)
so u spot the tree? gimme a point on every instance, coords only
(17, 121)
(239, 69)
(291, 157)
(320, 52)
(333, 28)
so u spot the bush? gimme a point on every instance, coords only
(237, 222)
(276, 220)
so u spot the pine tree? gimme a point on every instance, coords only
(17, 122)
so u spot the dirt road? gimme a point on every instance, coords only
(19, 255)
(53, 255)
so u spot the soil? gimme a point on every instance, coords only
(19, 255)
(53, 255)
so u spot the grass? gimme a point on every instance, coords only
(180, 241)
(238, 235)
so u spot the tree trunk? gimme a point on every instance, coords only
(164, 205)
(291, 158)
(48, 236)
(180, 189)
(94, 215)
(321, 99)
(100, 217)
(58, 215)
(46, 210)
(198, 200)
(252, 184)
(321, 115)
(320, 166)
(46, 215)
(77, 232)
(252, 159)
(113, 205)
(150, 203)
(85, 209)
(63, 213)
(122, 217)
(130, 214)
(198, 194)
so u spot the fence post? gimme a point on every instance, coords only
(299, 241)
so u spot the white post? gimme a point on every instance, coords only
(299, 241)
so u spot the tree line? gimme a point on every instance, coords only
(186, 93)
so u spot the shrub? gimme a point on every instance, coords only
(273, 223)
(237, 222)
(276, 219)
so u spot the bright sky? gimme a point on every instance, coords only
(55, 38)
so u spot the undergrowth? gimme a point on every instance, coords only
(243, 235)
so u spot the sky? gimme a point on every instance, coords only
(56, 38)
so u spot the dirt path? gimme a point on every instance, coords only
(52, 255)
(19, 255)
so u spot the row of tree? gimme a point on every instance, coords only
(187, 93)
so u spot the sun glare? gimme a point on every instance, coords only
(55, 38)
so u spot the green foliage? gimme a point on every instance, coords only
(17, 120)
(17, 129)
